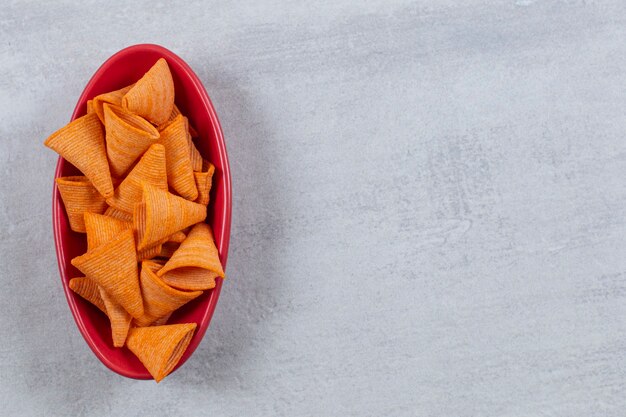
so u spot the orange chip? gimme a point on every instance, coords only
(159, 298)
(79, 196)
(90, 108)
(152, 97)
(204, 181)
(149, 169)
(160, 348)
(119, 318)
(196, 263)
(198, 251)
(118, 214)
(178, 161)
(175, 112)
(112, 97)
(163, 215)
(127, 137)
(113, 266)
(88, 289)
(82, 143)
(100, 229)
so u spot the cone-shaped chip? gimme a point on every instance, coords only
(198, 251)
(160, 348)
(152, 97)
(127, 137)
(164, 215)
(159, 299)
(82, 143)
(113, 266)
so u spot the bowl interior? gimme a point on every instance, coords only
(122, 69)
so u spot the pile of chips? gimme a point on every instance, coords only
(142, 202)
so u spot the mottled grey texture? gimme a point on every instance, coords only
(429, 207)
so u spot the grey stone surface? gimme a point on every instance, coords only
(429, 207)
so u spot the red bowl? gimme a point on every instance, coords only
(124, 68)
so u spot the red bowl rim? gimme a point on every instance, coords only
(222, 244)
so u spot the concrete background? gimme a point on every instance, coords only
(429, 207)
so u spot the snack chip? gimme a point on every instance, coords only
(119, 318)
(164, 215)
(197, 251)
(89, 290)
(196, 263)
(152, 97)
(160, 348)
(204, 181)
(150, 169)
(178, 161)
(81, 142)
(79, 197)
(127, 137)
(159, 299)
(90, 108)
(113, 266)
